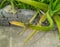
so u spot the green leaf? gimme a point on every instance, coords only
(43, 28)
(37, 5)
(2, 3)
(57, 20)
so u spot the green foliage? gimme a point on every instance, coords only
(51, 8)
(57, 20)
(14, 3)
(37, 5)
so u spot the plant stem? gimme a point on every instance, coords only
(34, 31)
(12, 5)
(32, 19)
(45, 28)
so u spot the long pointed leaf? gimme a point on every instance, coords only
(38, 5)
(57, 20)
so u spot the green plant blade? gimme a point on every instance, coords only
(30, 36)
(35, 15)
(34, 31)
(45, 28)
(13, 8)
(38, 5)
(2, 3)
(57, 20)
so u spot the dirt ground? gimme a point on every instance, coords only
(15, 36)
